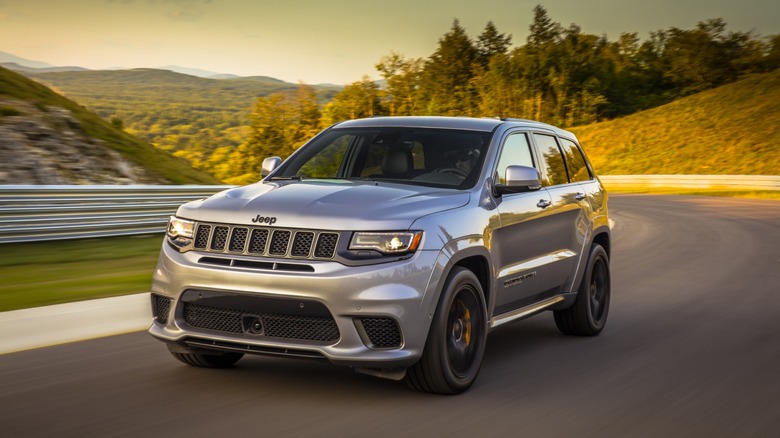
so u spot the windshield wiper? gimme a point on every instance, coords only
(286, 178)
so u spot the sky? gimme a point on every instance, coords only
(318, 41)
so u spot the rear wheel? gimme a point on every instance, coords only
(456, 342)
(588, 314)
(217, 360)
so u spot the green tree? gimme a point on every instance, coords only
(491, 43)
(357, 100)
(402, 76)
(280, 123)
(446, 81)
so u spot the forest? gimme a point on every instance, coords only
(560, 75)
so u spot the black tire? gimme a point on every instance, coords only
(217, 360)
(456, 341)
(588, 315)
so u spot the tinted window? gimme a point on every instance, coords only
(553, 160)
(516, 152)
(575, 161)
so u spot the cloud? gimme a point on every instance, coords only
(177, 10)
(185, 10)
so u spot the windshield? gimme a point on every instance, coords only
(424, 156)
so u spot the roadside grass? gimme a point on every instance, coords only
(44, 273)
(729, 130)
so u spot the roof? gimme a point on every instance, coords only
(466, 123)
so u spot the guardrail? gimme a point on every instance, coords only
(705, 182)
(35, 213)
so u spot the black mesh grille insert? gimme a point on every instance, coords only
(219, 238)
(222, 320)
(279, 241)
(202, 236)
(326, 245)
(161, 307)
(301, 327)
(238, 239)
(302, 244)
(258, 240)
(382, 332)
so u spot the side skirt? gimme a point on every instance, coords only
(525, 312)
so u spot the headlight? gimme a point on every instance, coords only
(180, 232)
(387, 243)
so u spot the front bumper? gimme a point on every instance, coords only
(404, 292)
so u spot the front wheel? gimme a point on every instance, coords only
(456, 342)
(588, 314)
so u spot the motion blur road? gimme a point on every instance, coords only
(691, 348)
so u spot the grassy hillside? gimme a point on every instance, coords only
(173, 111)
(728, 130)
(175, 170)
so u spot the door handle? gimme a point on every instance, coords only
(543, 203)
(579, 196)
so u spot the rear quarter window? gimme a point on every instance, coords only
(575, 161)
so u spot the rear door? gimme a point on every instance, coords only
(567, 217)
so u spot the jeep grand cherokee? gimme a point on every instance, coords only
(392, 245)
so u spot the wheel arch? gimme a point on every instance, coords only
(602, 237)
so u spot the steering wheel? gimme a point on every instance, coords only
(452, 170)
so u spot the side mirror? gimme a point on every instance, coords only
(519, 179)
(269, 165)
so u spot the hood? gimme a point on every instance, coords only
(324, 205)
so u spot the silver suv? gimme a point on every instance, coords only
(392, 245)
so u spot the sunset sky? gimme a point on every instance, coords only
(318, 41)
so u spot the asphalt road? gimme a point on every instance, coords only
(691, 349)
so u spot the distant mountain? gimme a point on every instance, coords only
(21, 68)
(46, 138)
(224, 76)
(260, 79)
(7, 57)
(192, 117)
(190, 71)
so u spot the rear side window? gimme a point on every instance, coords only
(552, 160)
(575, 161)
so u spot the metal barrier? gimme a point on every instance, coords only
(35, 213)
(705, 182)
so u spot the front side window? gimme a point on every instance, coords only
(516, 152)
(552, 160)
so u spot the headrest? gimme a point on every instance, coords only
(397, 162)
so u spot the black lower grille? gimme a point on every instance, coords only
(382, 332)
(210, 318)
(274, 325)
(161, 307)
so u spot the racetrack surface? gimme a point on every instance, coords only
(691, 348)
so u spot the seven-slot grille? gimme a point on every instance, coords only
(269, 242)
